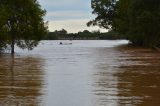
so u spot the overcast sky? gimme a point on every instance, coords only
(71, 15)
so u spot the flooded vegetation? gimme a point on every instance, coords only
(85, 73)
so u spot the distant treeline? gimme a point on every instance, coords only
(84, 35)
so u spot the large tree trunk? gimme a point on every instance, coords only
(12, 45)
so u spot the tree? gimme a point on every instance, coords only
(105, 11)
(3, 29)
(144, 22)
(62, 32)
(86, 32)
(22, 23)
(137, 20)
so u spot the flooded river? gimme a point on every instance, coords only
(84, 73)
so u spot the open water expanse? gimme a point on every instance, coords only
(81, 73)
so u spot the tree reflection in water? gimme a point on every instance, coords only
(21, 80)
(127, 77)
(139, 83)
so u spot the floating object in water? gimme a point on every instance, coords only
(60, 43)
(64, 43)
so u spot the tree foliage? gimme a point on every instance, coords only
(105, 11)
(137, 20)
(21, 23)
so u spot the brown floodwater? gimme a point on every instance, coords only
(21, 80)
(84, 73)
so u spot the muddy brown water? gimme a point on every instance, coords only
(84, 73)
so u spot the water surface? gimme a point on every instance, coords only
(84, 73)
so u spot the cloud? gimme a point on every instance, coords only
(72, 26)
(71, 15)
(65, 4)
(65, 15)
(56, 3)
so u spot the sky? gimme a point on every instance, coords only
(71, 15)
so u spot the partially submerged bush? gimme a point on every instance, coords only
(3, 46)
